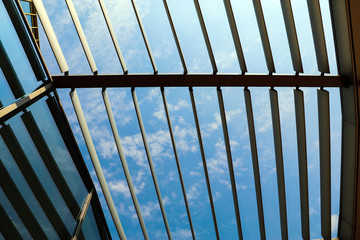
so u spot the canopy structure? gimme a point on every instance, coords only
(48, 191)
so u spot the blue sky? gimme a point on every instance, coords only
(166, 57)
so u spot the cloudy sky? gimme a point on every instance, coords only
(158, 31)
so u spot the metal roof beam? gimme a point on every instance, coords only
(197, 80)
(113, 36)
(235, 35)
(50, 34)
(206, 36)
(182, 59)
(96, 163)
(197, 124)
(177, 162)
(255, 161)
(318, 35)
(81, 35)
(275, 114)
(291, 35)
(123, 162)
(264, 35)
(302, 158)
(325, 164)
(144, 37)
(151, 165)
(230, 163)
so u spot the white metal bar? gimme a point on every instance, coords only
(177, 162)
(151, 165)
(235, 35)
(264, 35)
(230, 163)
(204, 162)
(123, 162)
(318, 35)
(279, 161)
(255, 161)
(291, 35)
(144, 37)
(50, 34)
(113, 36)
(302, 157)
(206, 36)
(95, 160)
(81, 35)
(325, 168)
(182, 59)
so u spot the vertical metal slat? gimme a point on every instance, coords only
(81, 35)
(318, 35)
(113, 36)
(123, 162)
(50, 34)
(325, 165)
(255, 161)
(144, 37)
(235, 35)
(230, 163)
(291, 35)
(18, 202)
(50, 163)
(302, 156)
(95, 160)
(33, 181)
(264, 35)
(204, 162)
(279, 161)
(151, 165)
(206, 36)
(177, 162)
(10, 74)
(182, 59)
(7, 227)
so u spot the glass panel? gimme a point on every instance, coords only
(13, 216)
(42, 173)
(25, 190)
(25, 6)
(89, 226)
(15, 52)
(58, 149)
(6, 96)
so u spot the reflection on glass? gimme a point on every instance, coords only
(6, 96)
(25, 190)
(10, 211)
(16, 53)
(89, 226)
(58, 149)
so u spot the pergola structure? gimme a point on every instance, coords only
(345, 19)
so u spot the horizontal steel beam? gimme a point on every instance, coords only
(11, 110)
(197, 80)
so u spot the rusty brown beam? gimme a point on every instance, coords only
(197, 80)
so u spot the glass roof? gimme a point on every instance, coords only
(43, 184)
(164, 50)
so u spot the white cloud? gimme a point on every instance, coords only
(334, 223)
(193, 192)
(119, 187)
(181, 234)
(194, 173)
(148, 209)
